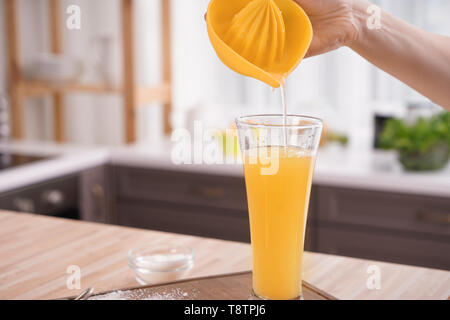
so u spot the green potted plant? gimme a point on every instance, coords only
(424, 145)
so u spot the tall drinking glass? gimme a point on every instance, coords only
(279, 156)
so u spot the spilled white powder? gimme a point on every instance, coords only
(141, 294)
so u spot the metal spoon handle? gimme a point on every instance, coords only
(85, 294)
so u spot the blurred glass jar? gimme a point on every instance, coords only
(54, 68)
(420, 108)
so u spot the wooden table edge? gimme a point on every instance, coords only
(316, 290)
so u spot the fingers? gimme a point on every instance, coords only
(313, 49)
(307, 5)
(316, 48)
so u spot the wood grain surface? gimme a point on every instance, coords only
(235, 286)
(36, 251)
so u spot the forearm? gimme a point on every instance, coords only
(416, 57)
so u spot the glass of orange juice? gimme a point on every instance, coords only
(279, 155)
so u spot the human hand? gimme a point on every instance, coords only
(335, 23)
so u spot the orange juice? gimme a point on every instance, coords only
(278, 206)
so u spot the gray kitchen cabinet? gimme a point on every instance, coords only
(400, 228)
(178, 218)
(95, 194)
(57, 197)
(182, 202)
(381, 245)
(181, 187)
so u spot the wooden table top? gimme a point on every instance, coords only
(36, 251)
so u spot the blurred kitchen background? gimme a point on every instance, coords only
(340, 87)
(100, 110)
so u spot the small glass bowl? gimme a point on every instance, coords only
(161, 263)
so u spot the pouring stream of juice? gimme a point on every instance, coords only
(283, 102)
(266, 40)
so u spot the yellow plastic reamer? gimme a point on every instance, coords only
(263, 39)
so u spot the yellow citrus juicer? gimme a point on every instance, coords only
(263, 39)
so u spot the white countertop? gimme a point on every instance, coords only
(64, 160)
(334, 167)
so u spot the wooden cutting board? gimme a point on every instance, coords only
(234, 286)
